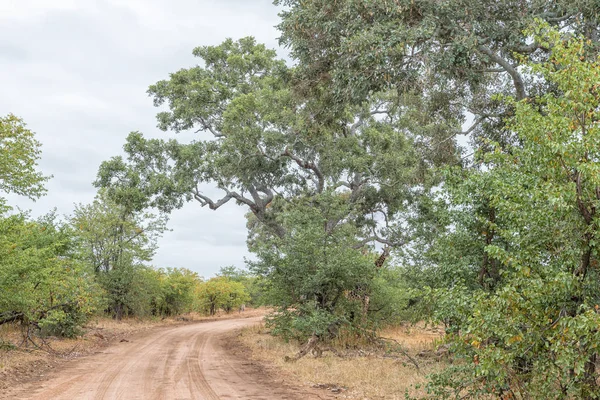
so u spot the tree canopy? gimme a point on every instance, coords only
(19, 155)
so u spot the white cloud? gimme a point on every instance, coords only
(77, 71)
(27, 10)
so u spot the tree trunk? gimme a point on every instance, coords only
(365, 308)
(119, 311)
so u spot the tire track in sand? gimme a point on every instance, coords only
(183, 362)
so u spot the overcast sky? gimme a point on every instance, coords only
(77, 72)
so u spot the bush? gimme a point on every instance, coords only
(42, 284)
(220, 293)
(176, 293)
(317, 278)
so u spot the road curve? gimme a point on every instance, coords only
(184, 362)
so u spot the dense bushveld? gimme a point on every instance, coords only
(418, 160)
(57, 273)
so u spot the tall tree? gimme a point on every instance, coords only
(536, 334)
(116, 243)
(455, 54)
(264, 145)
(266, 148)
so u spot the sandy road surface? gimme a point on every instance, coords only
(184, 362)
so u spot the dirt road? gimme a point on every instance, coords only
(184, 362)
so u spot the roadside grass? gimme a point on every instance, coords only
(369, 373)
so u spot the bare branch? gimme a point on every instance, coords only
(516, 77)
(308, 165)
(526, 49)
(553, 17)
(258, 204)
(205, 201)
(377, 238)
(207, 127)
(11, 317)
(467, 132)
(363, 242)
(261, 202)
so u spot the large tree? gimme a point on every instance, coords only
(260, 143)
(454, 53)
(455, 57)
(536, 334)
(267, 148)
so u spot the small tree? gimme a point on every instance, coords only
(317, 277)
(254, 285)
(116, 242)
(177, 287)
(42, 284)
(220, 293)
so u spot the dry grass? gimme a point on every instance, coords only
(130, 325)
(22, 363)
(371, 376)
(415, 338)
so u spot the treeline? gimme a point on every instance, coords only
(56, 273)
(51, 284)
(364, 207)
(352, 154)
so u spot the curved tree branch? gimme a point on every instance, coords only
(307, 165)
(514, 74)
(258, 204)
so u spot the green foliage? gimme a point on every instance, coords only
(177, 291)
(301, 323)
(311, 272)
(20, 152)
(390, 299)
(115, 243)
(42, 284)
(453, 55)
(254, 285)
(112, 235)
(130, 289)
(220, 293)
(536, 335)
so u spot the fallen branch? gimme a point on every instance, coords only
(12, 318)
(401, 350)
(304, 350)
(441, 352)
